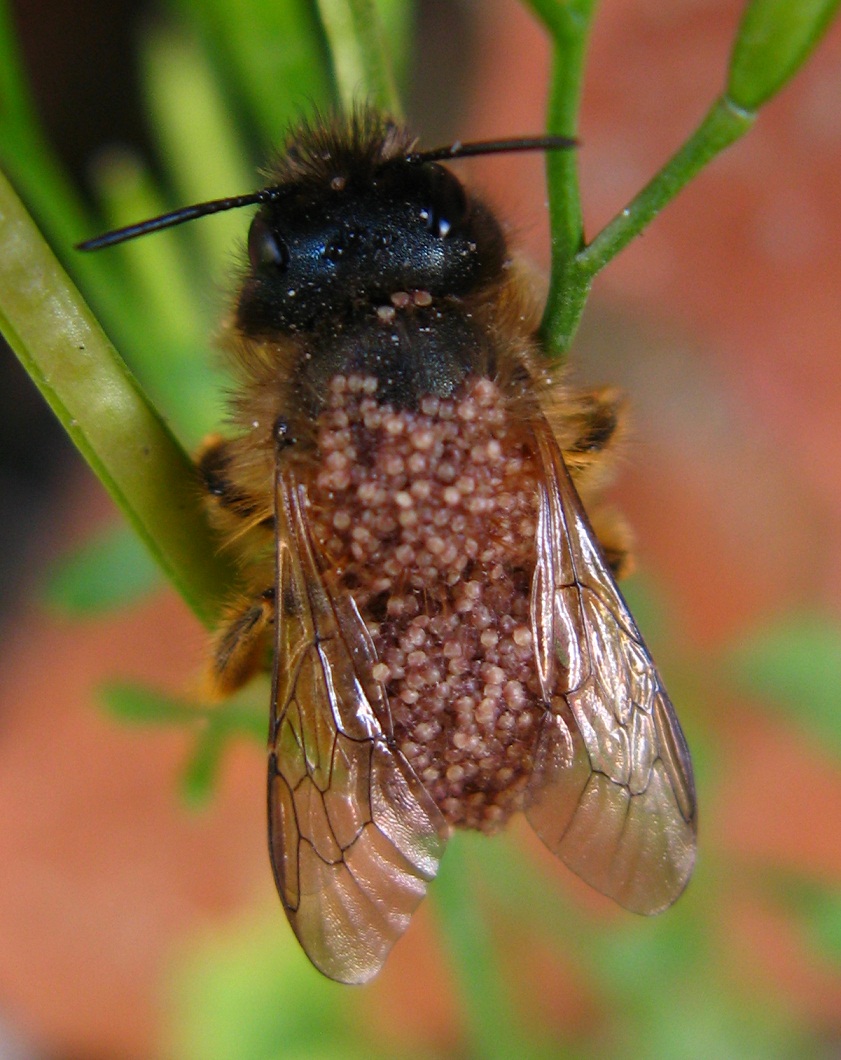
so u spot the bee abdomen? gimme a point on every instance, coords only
(428, 517)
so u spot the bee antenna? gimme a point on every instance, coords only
(264, 195)
(178, 217)
(492, 147)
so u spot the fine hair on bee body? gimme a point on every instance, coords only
(402, 484)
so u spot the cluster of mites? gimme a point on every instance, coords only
(429, 515)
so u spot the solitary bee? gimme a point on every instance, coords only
(449, 643)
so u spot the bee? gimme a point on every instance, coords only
(403, 480)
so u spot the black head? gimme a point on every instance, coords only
(354, 216)
(343, 244)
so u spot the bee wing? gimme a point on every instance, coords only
(612, 794)
(354, 838)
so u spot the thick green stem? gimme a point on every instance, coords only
(102, 408)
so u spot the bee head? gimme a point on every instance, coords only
(335, 248)
(353, 217)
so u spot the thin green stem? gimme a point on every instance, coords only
(723, 124)
(568, 25)
(101, 406)
(360, 56)
(569, 28)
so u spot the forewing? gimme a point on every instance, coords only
(354, 837)
(612, 793)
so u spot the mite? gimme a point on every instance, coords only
(403, 480)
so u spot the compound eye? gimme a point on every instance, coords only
(447, 207)
(265, 246)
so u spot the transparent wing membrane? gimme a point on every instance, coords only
(354, 837)
(612, 794)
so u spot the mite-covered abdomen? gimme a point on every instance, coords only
(427, 517)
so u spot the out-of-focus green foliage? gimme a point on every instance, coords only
(110, 569)
(214, 726)
(795, 665)
(814, 906)
(249, 992)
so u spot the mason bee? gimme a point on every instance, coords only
(403, 480)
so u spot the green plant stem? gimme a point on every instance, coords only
(360, 57)
(723, 124)
(101, 406)
(568, 25)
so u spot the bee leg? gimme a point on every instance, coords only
(228, 502)
(240, 645)
(615, 538)
(590, 432)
